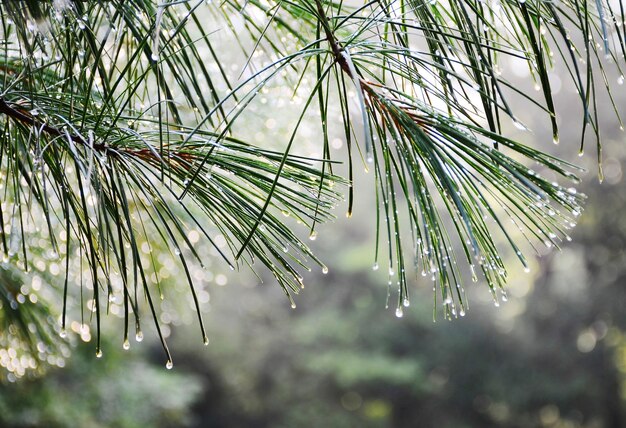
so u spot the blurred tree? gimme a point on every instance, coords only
(125, 143)
(343, 362)
(111, 394)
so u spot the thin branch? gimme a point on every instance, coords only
(26, 118)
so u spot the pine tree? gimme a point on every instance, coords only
(125, 134)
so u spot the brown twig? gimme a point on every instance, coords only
(334, 44)
(27, 118)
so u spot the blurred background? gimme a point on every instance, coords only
(553, 355)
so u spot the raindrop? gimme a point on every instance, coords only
(519, 125)
(126, 345)
(313, 235)
(375, 266)
(406, 302)
(139, 336)
(474, 276)
(324, 270)
(399, 312)
(99, 353)
(620, 80)
(169, 365)
(206, 341)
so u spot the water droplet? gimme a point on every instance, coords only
(555, 140)
(375, 266)
(63, 334)
(369, 158)
(293, 305)
(169, 365)
(154, 57)
(474, 276)
(519, 125)
(391, 272)
(139, 336)
(399, 312)
(462, 312)
(206, 341)
(526, 269)
(99, 353)
(448, 300)
(313, 235)
(406, 302)
(177, 251)
(126, 345)
(620, 80)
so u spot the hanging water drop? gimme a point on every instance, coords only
(375, 266)
(324, 270)
(169, 365)
(99, 353)
(406, 302)
(63, 334)
(474, 276)
(313, 235)
(139, 336)
(205, 341)
(519, 125)
(399, 312)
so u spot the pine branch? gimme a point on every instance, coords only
(27, 118)
(140, 136)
